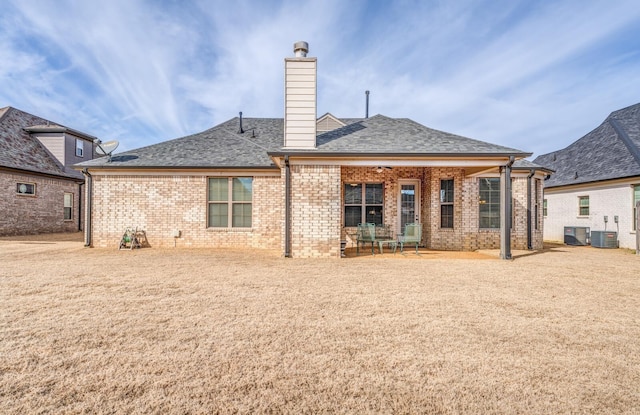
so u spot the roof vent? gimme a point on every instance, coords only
(301, 49)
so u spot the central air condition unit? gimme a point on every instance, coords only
(604, 239)
(576, 235)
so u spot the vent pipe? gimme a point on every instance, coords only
(301, 49)
(241, 130)
(366, 113)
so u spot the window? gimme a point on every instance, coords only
(28, 189)
(363, 202)
(583, 206)
(489, 203)
(636, 199)
(230, 202)
(544, 208)
(446, 203)
(79, 148)
(68, 206)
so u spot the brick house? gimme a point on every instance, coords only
(596, 177)
(40, 192)
(301, 184)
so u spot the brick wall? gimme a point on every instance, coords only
(316, 205)
(465, 235)
(42, 213)
(390, 178)
(160, 205)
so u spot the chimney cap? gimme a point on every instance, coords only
(301, 49)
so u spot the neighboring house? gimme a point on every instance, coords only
(596, 177)
(302, 184)
(40, 192)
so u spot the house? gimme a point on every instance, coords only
(596, 183)
(41, 193)
(301, 184)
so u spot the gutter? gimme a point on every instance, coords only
(287, 207)
(529, 234)
(80, 207)
(89, 181)
(338, 154)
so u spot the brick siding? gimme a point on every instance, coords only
(42, 213)
(160, 205)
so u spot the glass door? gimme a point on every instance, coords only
(408, 203)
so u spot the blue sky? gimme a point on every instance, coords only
(535, 75)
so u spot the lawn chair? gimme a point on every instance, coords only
(412, 235)
(366, 233)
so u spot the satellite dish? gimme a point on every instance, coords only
(107, 148)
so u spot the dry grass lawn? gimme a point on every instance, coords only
(211, 331)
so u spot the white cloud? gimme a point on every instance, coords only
(533, 76)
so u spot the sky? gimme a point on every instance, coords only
(534, 75)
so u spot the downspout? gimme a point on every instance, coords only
(529, 235)
(80, 207)
(287, 208)
(505, 232)
(89, 180)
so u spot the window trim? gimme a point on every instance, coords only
(18, 188)
(79, 148)
(545, 208)
(229, 202)
(499, 202)
(447, 204)
(580, 207)
(65, 207)
(363, 205)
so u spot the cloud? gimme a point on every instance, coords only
(530, 75)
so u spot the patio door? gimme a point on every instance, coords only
(408, 202)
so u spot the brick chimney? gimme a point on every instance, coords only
(300, 88)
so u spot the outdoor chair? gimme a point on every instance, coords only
(412, 235)
(366, 233)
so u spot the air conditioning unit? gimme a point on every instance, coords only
(604, 239)
(576, 235)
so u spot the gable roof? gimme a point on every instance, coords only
(223, 146)
(20, 151)
(610, 151)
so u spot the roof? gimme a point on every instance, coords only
(529, 165)
(19, 150)
(223, 146)
(610, 151)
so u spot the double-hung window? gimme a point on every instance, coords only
(583, 206)
(363, 202)
(79, 148)
(446, 203)
(489, 203)
(68, 206)
(230, 202)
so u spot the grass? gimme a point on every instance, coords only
(203, 331)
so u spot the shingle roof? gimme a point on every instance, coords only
(384, 135)
(610, 151)
(225, 147)
(529, 165)
(19, 150)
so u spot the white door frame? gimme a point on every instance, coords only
(418, 208)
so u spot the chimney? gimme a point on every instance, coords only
(300, 88)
